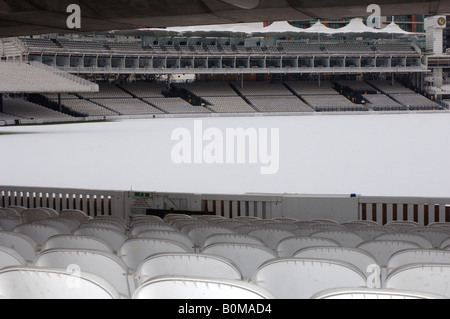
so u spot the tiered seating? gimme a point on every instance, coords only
(312, 88)
(128, 47)
(381, 102)
(211, 256)
(107, 91)
(73, 45)
(177, 106)
(295, 47)
(23, 109)
(280, 104)
(394, 48)
(128, 106)
(22, 77)
(416, 102)
(229, 105)
(39, 44)
(348, 48)
(387, 88)
(337, 103)
(209, 89)
(145, 89)
(87, 107)
(264, 89)
(359, 87)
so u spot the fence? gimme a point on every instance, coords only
(303, 207)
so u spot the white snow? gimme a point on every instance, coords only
(386, 155)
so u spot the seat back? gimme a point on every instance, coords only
(39, 283)
(189, 265)
(199, 288)
(302, 279)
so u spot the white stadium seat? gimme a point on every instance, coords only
(9, 223)
(189, 265)
(374, 294)
(31, 215)
(39, 233)
(356, 257)
(134, 251)
(65, 225)
(382, 250)
(23, 244)
(271, 237)
(432, 278)
(200, 234)
(418, 256)
(301, 278)
(289, 246)
(77, 215)
(144, 226)
(9, 212)
(247, 257)
(10, 257)
(114, 237)
(170, 235)
(102, 264)
(199, 288)
(233, 239)
(344, 238)
(52, 284)
(417, 239)
(77, 242)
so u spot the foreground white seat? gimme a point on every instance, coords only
(433, 278)
(134, 251)
(9, 223)
(189, 265)
(23, 244)
(77, 242)
(10, 257)
(247, 257)
(383, 294)
(38, 283)
(170, 235)
(102, 264)
(9, 212)
(289, 246)
(233, 239)
(418, 256)
(39, 233)
(271, 237)
(199, 234)
(382, 250)
(434, 235)
(417, 239)
(74, 214)
(31, 215)
(199, 288)
(354, 256)
(301, 279)
(344, 238)
(65, 225)
(141, 227)
(113, 237)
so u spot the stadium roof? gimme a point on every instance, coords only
(30, 17)
(356, 28)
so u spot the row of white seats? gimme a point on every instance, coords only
(138, 249)
(186, 276)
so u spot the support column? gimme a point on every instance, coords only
(59, 103)
(1, 103)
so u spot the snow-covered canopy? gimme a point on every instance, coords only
(356, 28)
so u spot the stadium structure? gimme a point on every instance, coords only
(80, 243)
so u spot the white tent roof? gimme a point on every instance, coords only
(356, 28)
